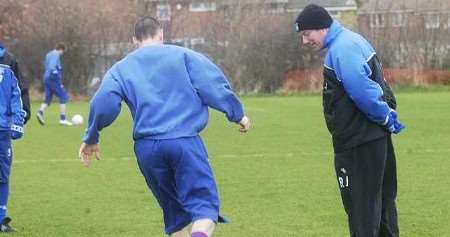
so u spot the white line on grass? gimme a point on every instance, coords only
(233, 156)
(64, 160)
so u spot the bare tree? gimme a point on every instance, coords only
(90, 29)
(257, 46)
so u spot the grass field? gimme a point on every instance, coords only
(277, 180)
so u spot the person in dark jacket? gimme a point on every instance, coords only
(7, 58)
(360, 113)
(11, 127)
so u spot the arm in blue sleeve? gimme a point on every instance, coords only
(352, 69)
(16, 102)
(54, 65)
(213, 87)
(104, 109)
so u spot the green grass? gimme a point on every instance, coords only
(277, 180)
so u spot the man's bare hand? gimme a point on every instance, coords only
(86, 152)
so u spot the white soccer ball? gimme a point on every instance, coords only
(77, 119)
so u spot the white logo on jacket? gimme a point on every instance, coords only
(343, 180)
(2, 71)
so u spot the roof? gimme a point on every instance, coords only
(300, 4)
(291, 4)
(404, 5)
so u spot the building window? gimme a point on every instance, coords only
(376, 20)
(350, 2)
(398, 19)
(448, 21)
(223, 43)
(202, 6)
(432, 21)
(163, 12)
(197, 41)
(180, 42)
(275, 7)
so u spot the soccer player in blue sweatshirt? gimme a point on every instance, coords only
(359, 110)
(11, 127)
(168, 90)
(53, 85)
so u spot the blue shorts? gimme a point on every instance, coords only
(54, 86)
(178, 173)
(5, 156)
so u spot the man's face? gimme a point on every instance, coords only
(60, 51)
(313, 38)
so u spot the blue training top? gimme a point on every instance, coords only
(348, 55)
(53, 68)
(11, 112)
(168, 90)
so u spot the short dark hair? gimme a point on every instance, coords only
(146, 27)
(60, 46)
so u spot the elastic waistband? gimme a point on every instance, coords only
(165, 137)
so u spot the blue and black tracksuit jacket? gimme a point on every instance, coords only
(356, 97)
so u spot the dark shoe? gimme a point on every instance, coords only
(40, 118)
(5, 227)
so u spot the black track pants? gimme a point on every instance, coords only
(367, 179)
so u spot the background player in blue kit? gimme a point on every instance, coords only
(168, 90)
(53, 85)
(11, 127)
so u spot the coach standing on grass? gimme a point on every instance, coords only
(168, 90)
(359, 108)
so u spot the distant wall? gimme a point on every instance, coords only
(311, 79)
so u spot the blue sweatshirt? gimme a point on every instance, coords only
(168, 90)
(11, 112)
(347, 55)
(53, 68)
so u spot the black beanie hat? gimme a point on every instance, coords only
(313, 17)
